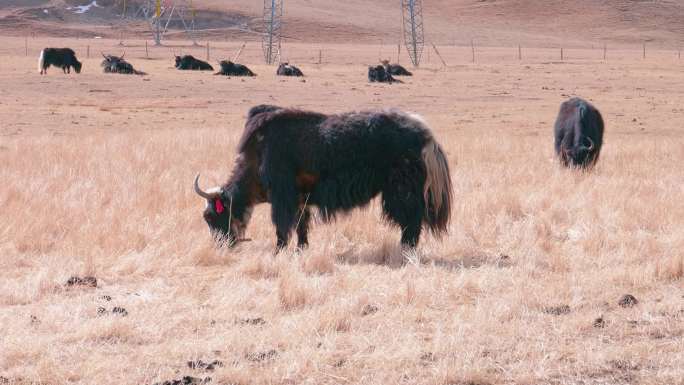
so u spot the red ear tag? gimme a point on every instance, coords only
(219, 206)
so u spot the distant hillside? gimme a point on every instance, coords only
(490, 22)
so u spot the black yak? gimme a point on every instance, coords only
(188, 62)
(379, 74)
(297, 159)
(64, 58)
(287, 69)
(229, 68)
(116, 64)
(395, 69)
(578, 133)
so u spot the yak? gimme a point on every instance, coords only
(287, 69)
(379, 74)
(64, 58)
(229, 68)
(117, 64)
(188, 62)
(395, 69)
(295, 160)
(578, 133)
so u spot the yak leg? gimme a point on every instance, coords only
(402, 201)
(303, 228)
(284, 203)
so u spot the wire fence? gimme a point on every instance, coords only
(434, 56)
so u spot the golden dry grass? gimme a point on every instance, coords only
(99, 183)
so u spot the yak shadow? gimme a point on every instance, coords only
(394, 258)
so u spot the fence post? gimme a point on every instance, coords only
(605, 48)
(26, 44)
(207, 51)
(320, 56)
(147, 54)
(472, 47)
(644, 56)
(87, 52)
(519, 52)
(561, 53)
(398, 52)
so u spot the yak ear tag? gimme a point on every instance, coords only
(219, 205)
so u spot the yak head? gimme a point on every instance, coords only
(77, 66)
(227, 212)
(581, 154)
(178, 61)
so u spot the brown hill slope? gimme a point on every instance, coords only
(489, 22)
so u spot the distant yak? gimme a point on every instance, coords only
(229, 68)
(296, 160)
(116, 64)
(578, 133)
(188, 62)
(286, 69)
(379, 74)
(395, 69)
(64, 58)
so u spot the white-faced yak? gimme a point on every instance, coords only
(297, 159)
(287, 69)
(578, 133)
(228, 68)
(64, 58)
(188, 62)
(117, 65)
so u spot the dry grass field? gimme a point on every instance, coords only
(97, 174)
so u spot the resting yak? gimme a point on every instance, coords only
(296, 159)
(286, 69)
(64, 58)
(379, 74)
(578, 133)
(117, 65)
(229, 68)
(188, 62)
(395, 69)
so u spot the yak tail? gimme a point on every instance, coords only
(437, 191)
(41, 61)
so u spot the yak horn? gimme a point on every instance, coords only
(122, 55)
(199, 191)
(591, 144)
(103, 55)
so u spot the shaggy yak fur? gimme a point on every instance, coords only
(188, 62)
(117, 65)
(379, 74)
(64, 58)
(395, 69)
(578, 133)
(229, 68)
(286, 69)
(297, 159)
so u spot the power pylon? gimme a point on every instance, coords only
(270, 43)
(412, 26)
(159, 14)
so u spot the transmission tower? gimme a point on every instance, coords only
(159, 14)
(270, 43)
(412, 26)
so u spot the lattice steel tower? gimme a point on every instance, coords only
(412, 26)
(270, 43)
(159, 14)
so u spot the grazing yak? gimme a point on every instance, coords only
(297, 159)
(117, 65)
(64, 58)
(229, 68)
(395, 69)
(286, 69)
(379, 74)
(188, 62)
(578, 133)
